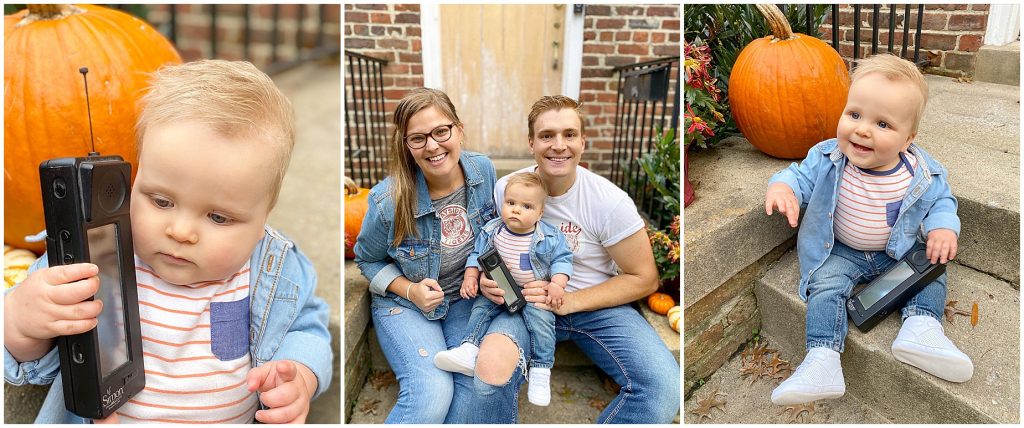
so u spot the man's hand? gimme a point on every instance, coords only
(286, 387)
(491, 291)
(941, 245)
(426, 294)
(49, 303)
(555, 295)
(780, 196)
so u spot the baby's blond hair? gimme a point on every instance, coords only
(233, 98)
(895, 69)
(528, 179)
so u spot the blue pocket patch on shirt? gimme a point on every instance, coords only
(524, 262)
(229, 329)
(892, 210)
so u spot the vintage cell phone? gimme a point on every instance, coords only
(889, 291)
(496, 270)
(86, 202)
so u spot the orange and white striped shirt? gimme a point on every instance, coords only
(514, 250)
(195, 368)
(869, 202)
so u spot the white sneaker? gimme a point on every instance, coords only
(458, 360)
(539, 392)
(819, 377)
(922, 343)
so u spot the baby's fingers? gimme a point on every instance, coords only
(69, 327)
(291, 413)
(69, 273)
(74, 292)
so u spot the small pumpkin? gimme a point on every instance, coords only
(660, 303)
(355, 209)
(787, 91)
(16, 264)
(44, 98)
(673, 317)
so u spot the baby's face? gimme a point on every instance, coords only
(199, 202)
(523, 207)
(878, 121)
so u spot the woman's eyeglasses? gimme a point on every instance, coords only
(440, 134)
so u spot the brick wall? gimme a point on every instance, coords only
(950, 37)
(193, 30)
(613, 36)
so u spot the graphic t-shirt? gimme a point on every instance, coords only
(456, 239)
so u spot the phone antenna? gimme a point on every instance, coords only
(88, 108)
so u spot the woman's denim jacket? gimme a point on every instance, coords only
(549, 251)
(928, 205)
(419, 255)
(287, 321)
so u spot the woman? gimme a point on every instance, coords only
(418, 231)
(612, 266)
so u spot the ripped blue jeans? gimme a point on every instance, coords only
(429, 395)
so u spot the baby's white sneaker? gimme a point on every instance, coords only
(458, 360)
(539, 392)
(922, 343)
(819, 377)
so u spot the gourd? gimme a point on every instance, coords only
(16, 264)
(673, 317)
(44, 101)
(660, 303)
(355, 209)
(787, 91)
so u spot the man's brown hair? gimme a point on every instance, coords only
(554, 102)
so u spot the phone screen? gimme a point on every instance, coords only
(113, 343)
(884, 284)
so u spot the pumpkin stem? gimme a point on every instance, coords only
(777, 21)
(350, 186)
(44, 12)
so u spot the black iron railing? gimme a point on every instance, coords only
(310, 44)
(876, 11)
(365, 119)
(647, 102)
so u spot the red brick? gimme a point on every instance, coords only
(632, 49)
(970, 43)
(615, 61)
(932, 21)
(589, 35)
(407, 18)
(667, 50)
(590, 85)
(396, 44)
(598, 10)
(628, 11)
(378, 30)
(417, 69)
(670, 24)
(606, 36)
(358, 43)
(611, 23)
(412, 31)
(960, 22)
(980, 7)
(673, 37)
(596, 72)
(590, 60)
(621, 36)
(359, 30)
(657, 37)
(939, 7)
(662, 11)
(372, 7)
(942, 42)
(410, 57)
(597, 48)
(380, 18)
(641, 37)
(407, 8)
(417, 45)
(962, 7)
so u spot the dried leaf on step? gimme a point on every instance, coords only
(565, 391)
(369, 407)
(597, 403)
(974, 315)
(704, 406)
(803, 412)
(382, 379)
(951, 310)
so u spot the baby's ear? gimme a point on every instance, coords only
(910, 139)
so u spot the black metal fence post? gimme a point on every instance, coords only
(365, 120)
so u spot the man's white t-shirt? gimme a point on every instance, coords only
(593, 214)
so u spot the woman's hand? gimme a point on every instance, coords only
(426, 294)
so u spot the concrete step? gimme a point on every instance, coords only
(998, 64)
(902, 393)
(749, 402)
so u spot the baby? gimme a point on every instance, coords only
(229, 317)
(871, 196)
(532, 251)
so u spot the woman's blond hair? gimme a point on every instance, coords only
(233, 98)
(401, 164)
(895, 69)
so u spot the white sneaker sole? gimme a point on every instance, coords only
(796, 397)
(948, 367)
(453, 365)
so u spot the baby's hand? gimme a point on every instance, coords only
(782, 197)
(556, 295)
(286, 387)
(50, 303)
(469, 283)
(941, 245)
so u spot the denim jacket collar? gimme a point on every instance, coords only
(470, 170)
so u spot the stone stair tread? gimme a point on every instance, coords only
(577, 397)
(750, 403)
(895, 389)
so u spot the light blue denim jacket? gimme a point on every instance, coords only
(549, 251)
(287, 321)
(928, 204)
(418, 257)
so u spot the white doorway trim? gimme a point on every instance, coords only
(1003, 24)
(430, 33)
(573, 52)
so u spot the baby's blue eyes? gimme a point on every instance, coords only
(160, 202)
(855, 115)
(219, 219)
(883, 125)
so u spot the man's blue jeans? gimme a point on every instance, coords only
(831, 285)
(540, 324)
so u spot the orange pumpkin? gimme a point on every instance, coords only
(787, 91)
(44, 102)
(355, 209)
(660, 303)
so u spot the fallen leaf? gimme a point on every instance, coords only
(705, 405)
(382, 379)
(597, 403)
(566, 392)
(974, 314)
(369, 407)
(799, 411)
(608, 384)
(951, 310)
